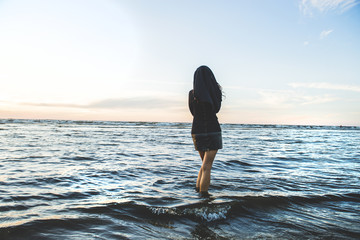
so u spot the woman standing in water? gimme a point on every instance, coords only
(204, 102)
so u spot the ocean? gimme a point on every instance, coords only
(136, 180)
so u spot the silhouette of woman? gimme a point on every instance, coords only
(204, 103)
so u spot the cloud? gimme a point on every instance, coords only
(325, 33)
(308, 6)
(136, 102)
(289, 98)
(324, 85)
(59, 105)
(119, 103)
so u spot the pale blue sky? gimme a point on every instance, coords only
(282, 62)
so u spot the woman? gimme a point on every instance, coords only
(204, 102)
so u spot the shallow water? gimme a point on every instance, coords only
(128, 180)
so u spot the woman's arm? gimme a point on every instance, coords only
(191, 101)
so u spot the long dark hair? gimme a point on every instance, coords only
(206, 88)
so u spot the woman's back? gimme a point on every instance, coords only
(205, 120)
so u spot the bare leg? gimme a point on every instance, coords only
(200, 171)
(205, 170)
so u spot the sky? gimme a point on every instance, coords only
(279, 62)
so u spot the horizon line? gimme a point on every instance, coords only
(180, 122)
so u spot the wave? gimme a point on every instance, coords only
(207, 212)
(81, 218)
(204, 209)
(80, 158)
(214, 209)
(234, 206)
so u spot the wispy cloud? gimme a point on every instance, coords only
(136, 102)
(324, 85)
(119, 103)
(308, 6)
(45, 104)
(325, 33)
(288, 98)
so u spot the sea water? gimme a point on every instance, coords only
(136, 180)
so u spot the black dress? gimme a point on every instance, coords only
(206, 131)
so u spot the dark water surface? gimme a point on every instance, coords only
(124, 180)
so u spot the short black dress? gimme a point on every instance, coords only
(206, 131)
